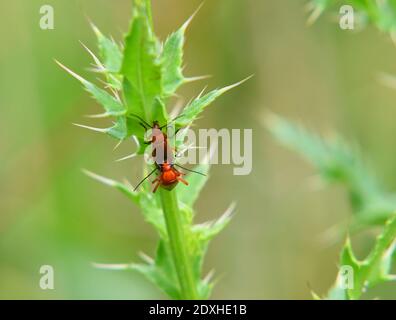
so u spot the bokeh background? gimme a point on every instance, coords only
(50, 213)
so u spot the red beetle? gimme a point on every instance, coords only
(168, 176)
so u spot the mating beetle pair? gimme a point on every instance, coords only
(168, 176)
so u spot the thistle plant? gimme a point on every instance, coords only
(372, 206)
(141, 76)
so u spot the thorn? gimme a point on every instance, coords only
(117, 145)
(91, 128)
(316, 12)
(128, 184)
(95, 29)
(94, 57)
(187, 23)
(229, 213)
(236, 84)
(198, 78)
(189, 147)
(201, 93)
(111, 266)
(209, 276)
(127, 157)
(176, 109)
(105, 115)
(72, 73)
(116, 95)
(97, 116)
(99, 178)
(146, 258)
(136, 140)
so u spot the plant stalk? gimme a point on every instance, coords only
(178, 246)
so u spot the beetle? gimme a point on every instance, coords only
(168, 176)
(162, 152)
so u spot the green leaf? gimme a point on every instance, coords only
(112, 106)
(336, 162)
(172, 60)
(113, 80)
(145, 199)
(141, 68)
(375, 269)
(152, 211)
(161, 272)
(125, 189)
(119, 130)
(207, 231)
(200, 236)
(110, 52)
(193, 109)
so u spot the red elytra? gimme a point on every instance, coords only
(162, 153)
(159, 140)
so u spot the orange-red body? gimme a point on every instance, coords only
(169, 177)
(162, 154)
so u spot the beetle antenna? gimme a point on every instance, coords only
(148, 176)
(141, 119)
(200, 173)
(174, 119)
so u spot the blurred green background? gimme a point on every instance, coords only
(51, 214)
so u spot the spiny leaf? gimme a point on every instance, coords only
(112, 106)
(119, 130)
(375, 269)
(113, 80)
(161, 272)
(172, 60)
(200, 236)
(145, 200)
(141, 68)
(207, 231)
(192, 110)
(152, 212)
(114, 184)
(109, 51)
(337, 162)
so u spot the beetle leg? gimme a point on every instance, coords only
(157, 185)
(182, 181)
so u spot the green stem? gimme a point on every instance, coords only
(178, 241)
